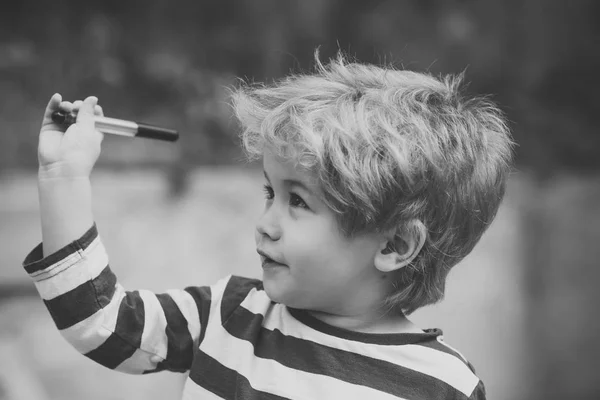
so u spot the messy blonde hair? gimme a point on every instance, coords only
(388, 146)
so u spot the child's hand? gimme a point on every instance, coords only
(69, 154)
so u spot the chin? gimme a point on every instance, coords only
(278, 291)
(273, 291)
(277, 295)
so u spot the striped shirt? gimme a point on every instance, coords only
(234, 341)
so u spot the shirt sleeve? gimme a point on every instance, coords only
(478, 393)
(131, 331)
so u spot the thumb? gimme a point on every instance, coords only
(85, 116)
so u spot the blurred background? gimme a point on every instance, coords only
(521, 307)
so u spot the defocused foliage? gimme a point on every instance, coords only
(168, 62)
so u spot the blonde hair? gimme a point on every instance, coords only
(388, 146)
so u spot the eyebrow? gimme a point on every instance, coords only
(292, 182)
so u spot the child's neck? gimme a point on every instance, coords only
(369, 323)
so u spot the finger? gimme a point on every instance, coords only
(77, 105)
(66, 106)
(53, 105)
(85, 116)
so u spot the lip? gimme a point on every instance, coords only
(268, 261)
(272, 264)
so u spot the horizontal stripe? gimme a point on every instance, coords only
(35, 262)
(193, 391)
(74, 272)
(441, 345)
(235, 292)
(90, 333)
(112, 352)
(126, 338)
(140, 362)
(317, 359)
(202, 298)
(179, 340)
(57, 267)
(440, 365)
(217, 293)
(83, 301)
(479, 392)
(131, 319)
(225, 382)
(187, 306)
(80, 253)
(387, 339)
(154, 336)
(271, 376)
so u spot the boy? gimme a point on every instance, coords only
(377, 182)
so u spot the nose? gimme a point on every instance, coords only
(268, 224)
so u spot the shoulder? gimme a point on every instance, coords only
(448, 365)
(234, 290)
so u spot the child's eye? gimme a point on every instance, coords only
(296, 201)
(268, 192)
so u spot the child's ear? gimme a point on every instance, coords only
(399, 247)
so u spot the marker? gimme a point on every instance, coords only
(120, 127)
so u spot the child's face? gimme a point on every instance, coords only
(322, 270)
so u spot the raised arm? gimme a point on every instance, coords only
(66, 159)
(130, 331)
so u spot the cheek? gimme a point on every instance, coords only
(312, 252)
(314, 244)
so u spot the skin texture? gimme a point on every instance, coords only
(339, 280)
(66, 158)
